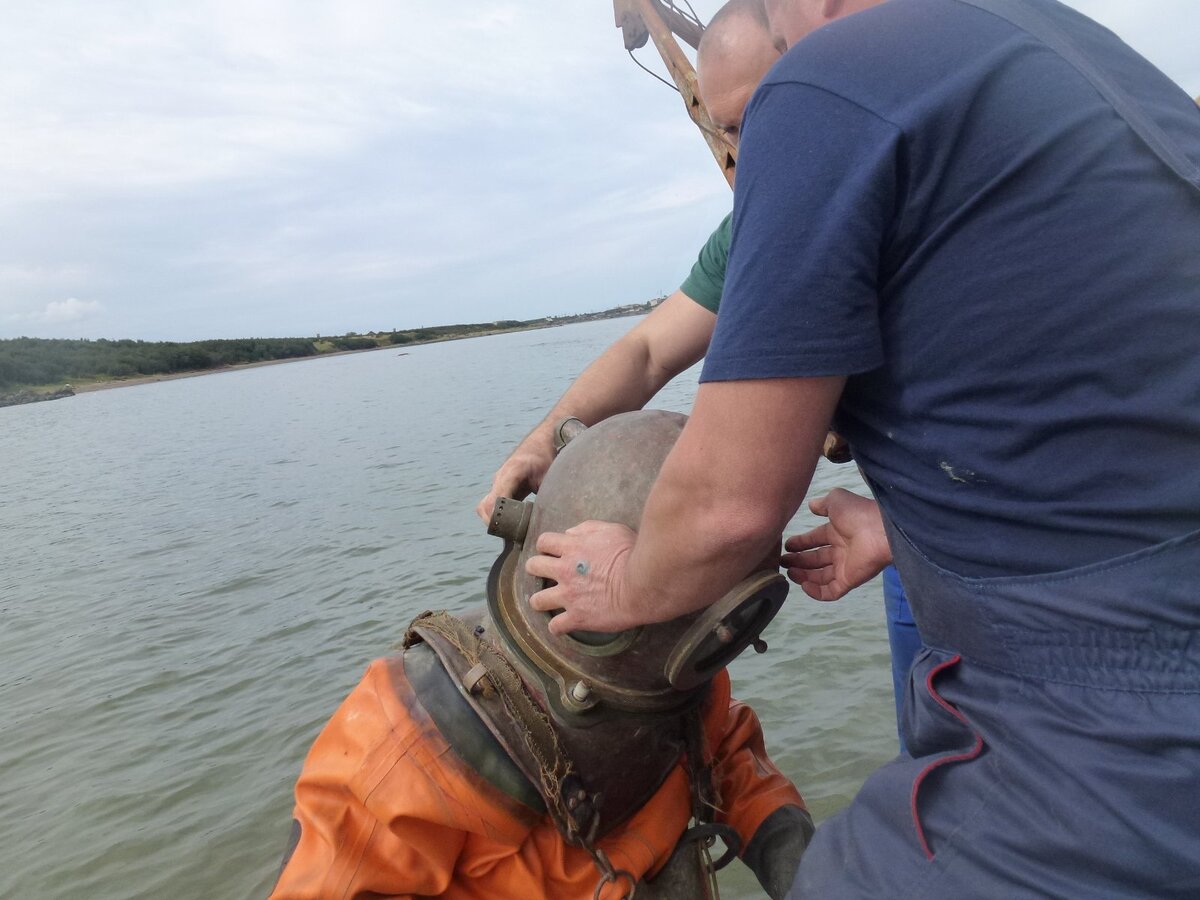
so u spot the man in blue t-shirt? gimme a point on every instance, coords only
(967, 229)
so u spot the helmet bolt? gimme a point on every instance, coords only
(724, 633)
(760, 646)
(581, 691)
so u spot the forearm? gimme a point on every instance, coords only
(633, 369)
(612, 384)
(697, 539)
(624, 378)
(617, 381)
(736, 476)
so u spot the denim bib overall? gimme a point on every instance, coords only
(1053, 732)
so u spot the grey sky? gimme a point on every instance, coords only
(238, 168)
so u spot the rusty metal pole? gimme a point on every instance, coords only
(654, 18)
(689, 32)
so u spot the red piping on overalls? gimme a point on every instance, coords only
(943, 760)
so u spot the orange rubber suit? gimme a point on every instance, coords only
(387, 809)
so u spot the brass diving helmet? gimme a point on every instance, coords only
(605, 472)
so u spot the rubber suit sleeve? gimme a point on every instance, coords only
(756, 799)
(379, 812)
(773, 854)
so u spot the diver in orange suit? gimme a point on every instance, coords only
(387, 808)
(493, 760)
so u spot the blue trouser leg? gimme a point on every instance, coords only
(903, 638)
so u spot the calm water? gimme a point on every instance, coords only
(193, 574)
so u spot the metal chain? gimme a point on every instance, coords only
(610, 875)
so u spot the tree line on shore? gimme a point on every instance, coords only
(39, 362)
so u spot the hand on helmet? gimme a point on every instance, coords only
(587, 563)
(520, 474)
(849, 550)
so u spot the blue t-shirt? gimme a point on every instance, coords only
(939, 206)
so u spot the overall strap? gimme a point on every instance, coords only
(1028, 19)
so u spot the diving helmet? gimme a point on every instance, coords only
(605, 472)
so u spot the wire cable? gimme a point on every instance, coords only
(691, 13)
(638, 63)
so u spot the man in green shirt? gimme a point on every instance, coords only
(735, 53)
(706, 281)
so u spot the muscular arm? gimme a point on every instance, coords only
(631, 371)
(737, 474)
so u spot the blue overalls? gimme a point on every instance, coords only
(1053, 733)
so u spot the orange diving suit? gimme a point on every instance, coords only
(386, 808)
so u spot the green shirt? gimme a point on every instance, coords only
(707, 278)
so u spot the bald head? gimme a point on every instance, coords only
(735, 52)
(792, 20)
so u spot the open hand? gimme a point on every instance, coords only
(847, 551)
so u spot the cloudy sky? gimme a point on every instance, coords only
(236, 168)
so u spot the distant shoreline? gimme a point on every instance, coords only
(172, 376)
(83, 386)
(89, 386)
